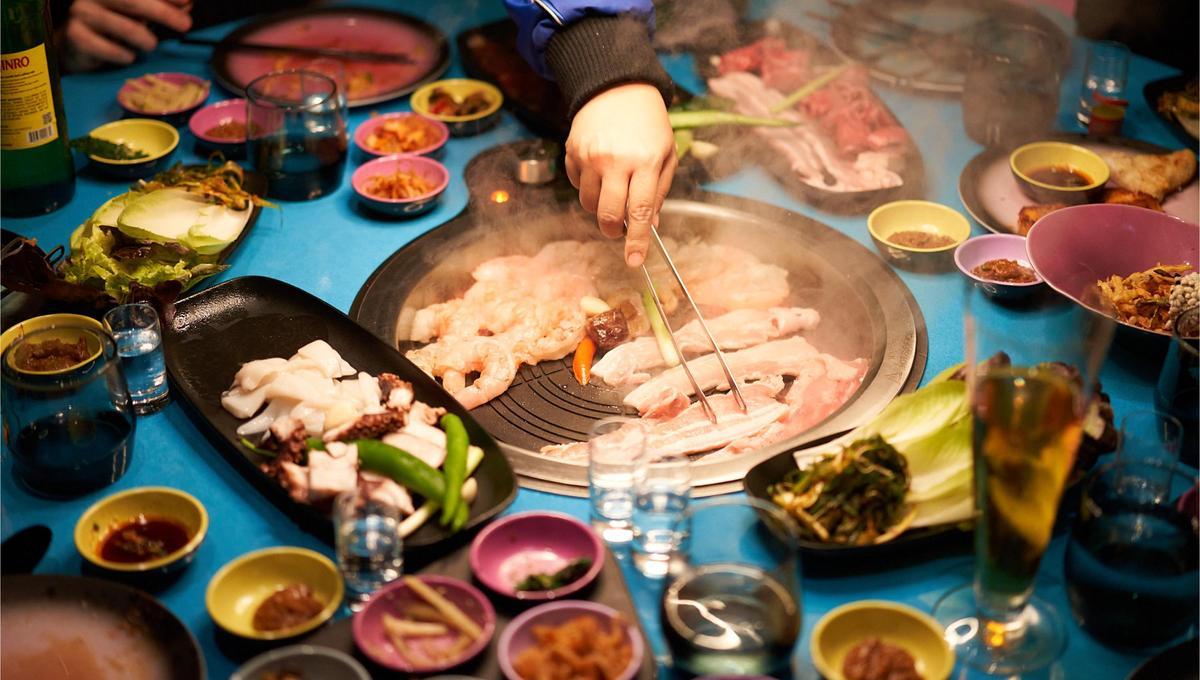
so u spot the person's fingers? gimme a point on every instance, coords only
(116, 26)
(640, 211)
(610, 210)
(87, 42)
(665, 177)
(589, 190)
(158, 11)
(572, 171)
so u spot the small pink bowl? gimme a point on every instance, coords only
(371, 638)
(431, 170)
(176, 116)
(228, 111)
(975, 251)
(369, 126)
(554, 536)
(519, 634)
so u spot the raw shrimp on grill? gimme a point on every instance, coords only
(453, 362)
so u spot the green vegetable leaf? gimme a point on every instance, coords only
(941, 463)
(569, 574)
(912, 417)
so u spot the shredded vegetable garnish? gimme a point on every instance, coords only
(1143, 299)
(219, 184)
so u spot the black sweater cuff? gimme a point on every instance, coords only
(596, 53)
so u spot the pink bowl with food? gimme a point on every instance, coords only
(424, 653)
(432, 174)
(127, 96)
(976, 251)
(530, 543)
(436, 132)
(230, 112)
(1075, 247)
(518, 636)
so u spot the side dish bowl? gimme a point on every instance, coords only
(428, 169)
(440, 133)
(174, 116)
(238, 588)
(45, 321)
(1026, 159)
(504, 552)
(519, 634)
(100, 519)
(372, 639)
(925, 217)
(154, 137)
(213, 115)
(841, 629)
(306, 661)
(1074, 248)
(461, 126)
(976, 251)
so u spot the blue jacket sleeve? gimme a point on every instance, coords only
(535, 26)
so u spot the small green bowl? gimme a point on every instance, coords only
(461, 126)
(236, 591)
(156, 138)
(923, 216)
(97, 521)
(841, 629)
(1028, 158)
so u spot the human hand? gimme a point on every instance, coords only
(621, 157)
(108, 31)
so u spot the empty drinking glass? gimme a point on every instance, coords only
(615, 446)
(297, 133)
(1149, 436)
(1025, 67)
(1103, 77)
(370, 550)
(138, 335)
(662, 488)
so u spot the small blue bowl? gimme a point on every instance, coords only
(432, 171)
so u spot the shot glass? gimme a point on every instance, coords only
(370, 551)
(138, 335)
(1104, 77)
(662, 489)
(615, 446)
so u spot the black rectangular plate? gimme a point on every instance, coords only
(608, 589)
(217, 330)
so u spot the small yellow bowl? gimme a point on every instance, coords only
(923, 216)
(461, 126)
(64, 323)
(236, 591)
(1028, 158)
(841, 629)
(152, 501)
(156, 138)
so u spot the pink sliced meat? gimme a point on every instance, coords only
(783, 69)
(788, 357)
(630, 363)
(692, 432)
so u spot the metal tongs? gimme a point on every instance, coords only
(737, 392)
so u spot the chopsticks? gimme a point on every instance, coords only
(358, 55)
(733, 386)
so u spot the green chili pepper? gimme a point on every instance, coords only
(315, 444)
(455, 466)
(260, 451)
(405, 468)
(686, 120)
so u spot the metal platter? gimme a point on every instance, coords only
(925, 45)
(867, 311)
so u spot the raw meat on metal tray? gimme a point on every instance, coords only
(630, 363)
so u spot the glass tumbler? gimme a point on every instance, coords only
(1178, 390)
(297, 133)
(1023, 67)
(615, 448)
(1154, 437)
(662, 488)
(1104, 77)
(70, 428)
(733, 606)
(370, 551)
(1131, 562)
(136, 330)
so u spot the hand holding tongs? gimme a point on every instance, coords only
(737, 392)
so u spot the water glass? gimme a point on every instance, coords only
(733, 606)
(662, 489)
(1024, 67)
(1104, 77)
(1131, 562)
(71, 430)
(138, 335)
(297, 133)
(1178, 388)
(1149, 436)
(615, 447)
(370, 550)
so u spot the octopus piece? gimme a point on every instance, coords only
(367, 426)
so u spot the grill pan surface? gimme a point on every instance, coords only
(866, 311)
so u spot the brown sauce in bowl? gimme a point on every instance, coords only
(289, 607)
(51, 355)
(143, 539)
(1060, 176)
(912, 238)
(874, 659)
(1005, 271)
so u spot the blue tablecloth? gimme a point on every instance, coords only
(328, 247)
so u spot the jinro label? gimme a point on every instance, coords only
(26, 100)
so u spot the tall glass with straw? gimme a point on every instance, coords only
(1027, 407)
